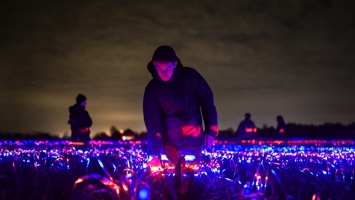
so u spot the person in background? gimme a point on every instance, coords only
(281, 127)
(246, 128)
(176, 102)
(80, 121)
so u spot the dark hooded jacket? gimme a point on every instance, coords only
(80, 122)
(173, 109)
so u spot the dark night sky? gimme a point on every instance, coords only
(266, 57)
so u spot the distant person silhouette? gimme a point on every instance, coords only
(80, 121)
(280, 128)
(246, 128)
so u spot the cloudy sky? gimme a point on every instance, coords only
(266, 57)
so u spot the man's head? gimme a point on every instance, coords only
(164, 54)
(165, 61)
(81, 100)
(247, 116)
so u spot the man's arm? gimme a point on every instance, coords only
(72, 116)
(153, 122)
(87, 120)
(208, 108)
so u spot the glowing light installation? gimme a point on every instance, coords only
(253, 168)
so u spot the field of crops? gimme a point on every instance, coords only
(293, 169)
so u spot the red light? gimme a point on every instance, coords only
(191, 130)
(250, 130)
(214, 128)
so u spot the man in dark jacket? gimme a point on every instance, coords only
(280, 128)
(246, 128)
(80, 121)
(176, 102)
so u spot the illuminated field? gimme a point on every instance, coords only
(294, 169)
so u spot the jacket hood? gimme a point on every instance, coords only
(154, 72)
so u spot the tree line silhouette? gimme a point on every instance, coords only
(293, 130)
(307, 131)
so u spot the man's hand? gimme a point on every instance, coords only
(208, 141)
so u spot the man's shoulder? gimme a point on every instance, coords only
(152, 82)
(251, 123)
(152, 86)
(71, 108)
(190, 71)
(75, 108)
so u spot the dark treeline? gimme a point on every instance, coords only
(293, 130)
(115, 134)
(27, 136)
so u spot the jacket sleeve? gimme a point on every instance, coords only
(240, 129)
(209, 112)
(87, 122)
(82, 118)
(72, 116)
(153, 122)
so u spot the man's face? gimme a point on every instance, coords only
(165, 69)
(83, 104)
